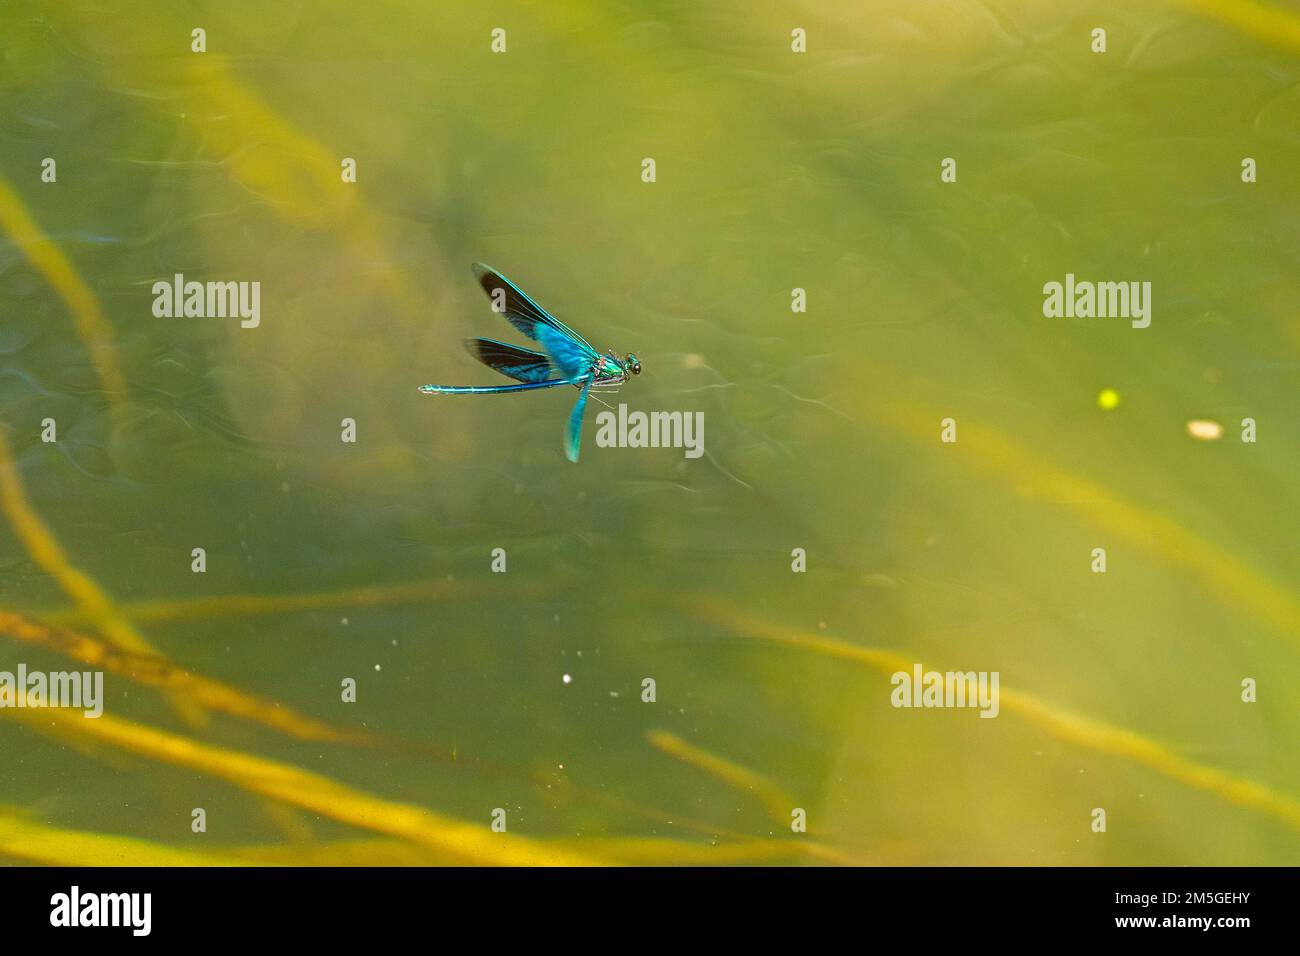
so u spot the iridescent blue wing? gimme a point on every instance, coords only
(572, 358)
(524, 314)
(512, 361)
(573, 437)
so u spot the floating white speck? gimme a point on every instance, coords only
(568, 678)
(1204, 429)
(376, 667)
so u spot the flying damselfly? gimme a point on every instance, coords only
(567, 359)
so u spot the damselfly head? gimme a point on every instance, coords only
(632, 364)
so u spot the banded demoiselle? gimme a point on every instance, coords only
(568, 359)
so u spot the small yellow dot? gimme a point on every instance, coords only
(1108, 399)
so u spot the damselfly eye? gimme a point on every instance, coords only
(633, 364)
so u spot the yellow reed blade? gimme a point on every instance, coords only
(154, 671)
(464, 842)
(1075, 728)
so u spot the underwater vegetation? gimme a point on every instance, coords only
(339, 623)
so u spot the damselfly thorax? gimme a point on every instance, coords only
(610, 371)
